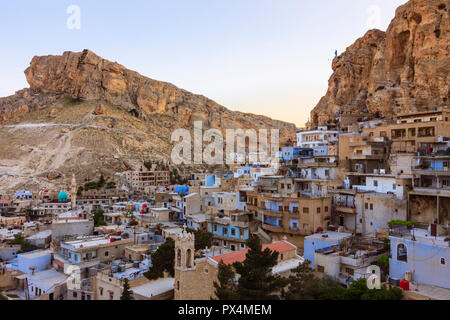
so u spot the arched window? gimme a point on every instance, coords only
(402, 253)
(188, 258)
(179, 258)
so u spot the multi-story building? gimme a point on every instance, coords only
(349, 260)
(430, 197)
(415, 132)
(142, 180)
(231, 231)
(316, 137)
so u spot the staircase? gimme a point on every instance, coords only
(265, 238)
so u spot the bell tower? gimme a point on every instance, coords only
(184, 261)
(73, 192)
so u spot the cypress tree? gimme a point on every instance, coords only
(127, 294)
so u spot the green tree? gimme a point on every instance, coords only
(79, 191)
(99, 218)
(256, 280)
(101, 182)
(203, 239)
(383, 263)
(226, 288)
(162, 260)
(303, 284)
(25, 245)
(358, 290)
(127, 294)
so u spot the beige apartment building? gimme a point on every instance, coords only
(415, 132)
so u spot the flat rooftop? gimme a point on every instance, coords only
(329, 236)
(83, 243)
(155, 288)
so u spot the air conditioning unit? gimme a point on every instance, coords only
(382, 171)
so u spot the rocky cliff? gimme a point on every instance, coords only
(87, 115)
(403, 69)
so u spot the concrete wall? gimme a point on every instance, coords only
(25, 261)
(74, 228)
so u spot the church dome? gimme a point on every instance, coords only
(63, 196)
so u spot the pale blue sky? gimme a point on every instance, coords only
(270, 57)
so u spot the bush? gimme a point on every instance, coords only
(399, 223)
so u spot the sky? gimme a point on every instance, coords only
(269, 57)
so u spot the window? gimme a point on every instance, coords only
(320, 269)
(305, 210)
(350, 271)
(106, 253)
(206, 270)
(443, 261)
(101, 291)
(375, 183)
(402, 253)
(215, 228)
(281, 256)
(326, 209)
(318, 210)
(111, 295)
(367, 206)
(74, 294)
(233, 232)
(179, 258)
(371, 206)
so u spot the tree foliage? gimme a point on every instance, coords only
(99, 218)
(25, 245)
(226, 288)
(203, 239)
(256, 281)
(162, 260)
(127, 294)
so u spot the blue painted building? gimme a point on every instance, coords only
(35, 259)
(182, 190)
(427, 258)
(230, 232)
(319, 241)
(24, 195)
(320, 151)
(291, 153)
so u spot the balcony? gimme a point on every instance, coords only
(346, 209)
(356, 156)
(272, 228)
(272, 213)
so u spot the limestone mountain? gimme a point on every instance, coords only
(87, 115)
(403, 69)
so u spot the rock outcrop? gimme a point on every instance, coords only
(85, 115)
(403, 69)
(84, 76)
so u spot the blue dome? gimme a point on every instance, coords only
(63, 196)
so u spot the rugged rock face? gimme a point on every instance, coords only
(87, 115)
(85, 76)
(403, 69)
